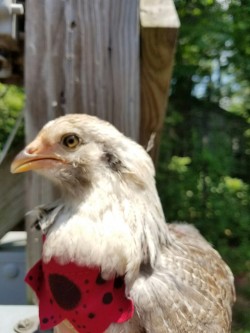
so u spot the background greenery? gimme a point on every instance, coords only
(203, 172)
(11, 103)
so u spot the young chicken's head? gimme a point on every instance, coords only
(78, 149)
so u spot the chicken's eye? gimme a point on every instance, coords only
(70, 141)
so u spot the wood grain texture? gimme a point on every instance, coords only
(157, 54)
(12, 191)
(82, 56)
(85, 55)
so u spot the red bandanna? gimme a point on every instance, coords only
(80, 295)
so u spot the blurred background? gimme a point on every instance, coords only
(203, 169)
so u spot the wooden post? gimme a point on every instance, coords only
(83, 56)
(159, 26)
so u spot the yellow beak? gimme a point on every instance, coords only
(34, 157)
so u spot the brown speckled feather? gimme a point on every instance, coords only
(191, 290)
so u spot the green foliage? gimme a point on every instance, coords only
(179, 164)
(11, 103)
(203, 172)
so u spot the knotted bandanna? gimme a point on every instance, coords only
(80, 295)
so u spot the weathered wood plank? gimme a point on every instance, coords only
(86, 56)
(81, 56)
(12, 191)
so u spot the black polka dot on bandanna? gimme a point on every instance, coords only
(118, 282)
(100, 280)
(91, 315)
(30, 277)
(45, 320)
(66, 294)
(107, 298)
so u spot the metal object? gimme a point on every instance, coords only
(9, 9)
(28, 325)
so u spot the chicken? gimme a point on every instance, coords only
(109, 220)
